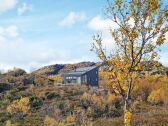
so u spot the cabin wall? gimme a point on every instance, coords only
(72, 79)
(93, 77)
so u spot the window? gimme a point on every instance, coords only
(69, 77)
(84, 79)
(74, 77)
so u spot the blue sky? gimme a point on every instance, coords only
(35, 33)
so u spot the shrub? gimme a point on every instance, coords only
(110, 98)
(32, 119)
(136, 106)
(35, 102)
(19, 107)
(51, 95)
(113, 112)
(71, 118)
(149, 84)
(86, 96)
(63, 124)
(108, 122)
(155, 97)
(56, 78)
(3, 117)
(96, 100)
(40, 81)
(9, 123)
(4, 87)
(48, 121)
(118, 102)
(65, 107)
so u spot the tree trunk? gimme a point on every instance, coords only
(126, 106)
(128, 96)
(126, 103)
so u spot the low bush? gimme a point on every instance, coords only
(35, 102)
(4, 87)
(52, 95)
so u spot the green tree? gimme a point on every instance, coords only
(135, 42)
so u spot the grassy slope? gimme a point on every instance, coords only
(60, 102)
(68, 100)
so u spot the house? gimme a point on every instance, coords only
(86, 75)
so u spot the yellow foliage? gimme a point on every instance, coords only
(71, 118)
(20, 105)
(9, 123)
(24, 101)
(104, 78)
(97, 100)
(132, 48)
(156, 96)
(127, 118)
(86, 96)
(130, 52)
(161, 39)
(62, 124)
(56, 78)
(110, 97)
(48, 121)
(157, 88)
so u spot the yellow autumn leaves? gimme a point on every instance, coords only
(48, 121)
(133, 35)
(19, 105)
(159, 94)
(9, 123)
(127, 118)
(153, 5)
(99, 100)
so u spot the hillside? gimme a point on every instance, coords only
(17, 76)
(61, 68)
(31, 100)
(49, 105)
(58, 69)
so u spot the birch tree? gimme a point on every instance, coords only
(142, 27)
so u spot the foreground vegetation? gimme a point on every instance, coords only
(49, 105)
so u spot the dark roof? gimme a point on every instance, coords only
(80, 71)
